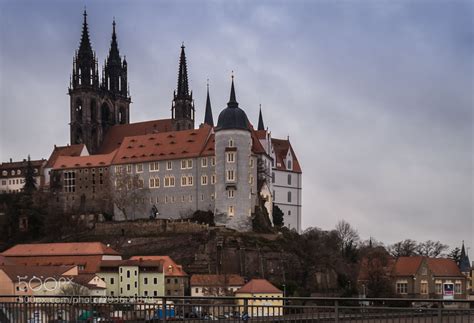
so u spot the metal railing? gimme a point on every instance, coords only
(61, 309)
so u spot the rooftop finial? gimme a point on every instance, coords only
(232, 101)
(182, 45)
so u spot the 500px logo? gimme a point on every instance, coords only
(36, 283)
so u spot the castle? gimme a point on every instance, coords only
(166, 168)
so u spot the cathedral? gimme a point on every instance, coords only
(166, 168)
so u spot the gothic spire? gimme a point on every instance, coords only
(260, 120)
(85, 48)
(208, 116)
(114, 55)
(232, 101)
(183, 87)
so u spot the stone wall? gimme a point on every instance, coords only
(140, 228)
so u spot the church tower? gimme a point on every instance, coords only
(95, 107)
(182, 109)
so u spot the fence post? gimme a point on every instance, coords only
(336, 311)
(440, 314)
(163, 311)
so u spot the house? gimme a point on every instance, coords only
(176, 279)
(12, 175)
(133, 277)
(260, 298)
(215, 285)
(423, 277)
(87, 256)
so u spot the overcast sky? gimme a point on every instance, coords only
(376, 96)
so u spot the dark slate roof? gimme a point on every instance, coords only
(233, 117)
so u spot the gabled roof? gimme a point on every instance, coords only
(26, 272)
(130, 262)
(261, 134)
(59, 249)
(69, 150)
(408, 266)
(217, 280)
(258, 286)
(281, 147)
(5, 261)
(169, 266)
(115, 135)
(163, 146)
(68, 162)
(443, 267)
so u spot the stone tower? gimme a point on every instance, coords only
(182, 109)
(95, 107)
(236, 169)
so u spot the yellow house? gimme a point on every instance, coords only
(133, 277)
(262, 298)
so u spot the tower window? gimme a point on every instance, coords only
(289, 196)
(231, 210)
(204, 162)
(230, 175)
(231, 193)
(231, 142)
(289, 179)
(231, 157)
(204, 180)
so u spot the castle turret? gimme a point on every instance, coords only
(235, 168)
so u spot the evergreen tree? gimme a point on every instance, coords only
(277, 216)
(30, 181)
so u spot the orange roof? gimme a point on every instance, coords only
(5, 261)
(130, 262)
(443, 267)
(217, 280)
(72, 150)
(261, 134)
(280, 147)
(59, 249)
(25, 272)
(407, 266)
(66, 162)
(170, 267)
(258, 286)
(163, 146)
(88, 263)
(115, 135)
(256, 144)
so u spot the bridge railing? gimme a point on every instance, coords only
(61, 309)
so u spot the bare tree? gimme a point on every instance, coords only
(128, 193)
(408, 248)
(347, 234)
(431, 248)
(74, 289)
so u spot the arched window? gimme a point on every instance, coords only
(78, 139)
(78, 111)
(80, 76)
(122, 115)
(289, 179)
(105, 114)
(93, 110)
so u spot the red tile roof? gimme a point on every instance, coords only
(407, 266)
(25, 272)
(261, 134)
(444, 267)
(163, 146)
(67, 162)
(5, 261)
(115, 135)
(217, 280)
(20, 165)
(258, 286)
(72, 151)
(170, 267)
(59, 249)
(280, 147)
(90, 263)
(130, 262)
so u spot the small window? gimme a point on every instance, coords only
(139, 168)
(231, 157)
(231, 210)
(154, 166)
(231, 142)
(213, 161)
(169, 165)
(289, 179)
(230, 175)
(145, 280)
(128, 286)
(204, 180)
(129, 169)
(289, 164)
(204, 162)
(273, 177)
(289, 196)
(231, 193)
(213, 179)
